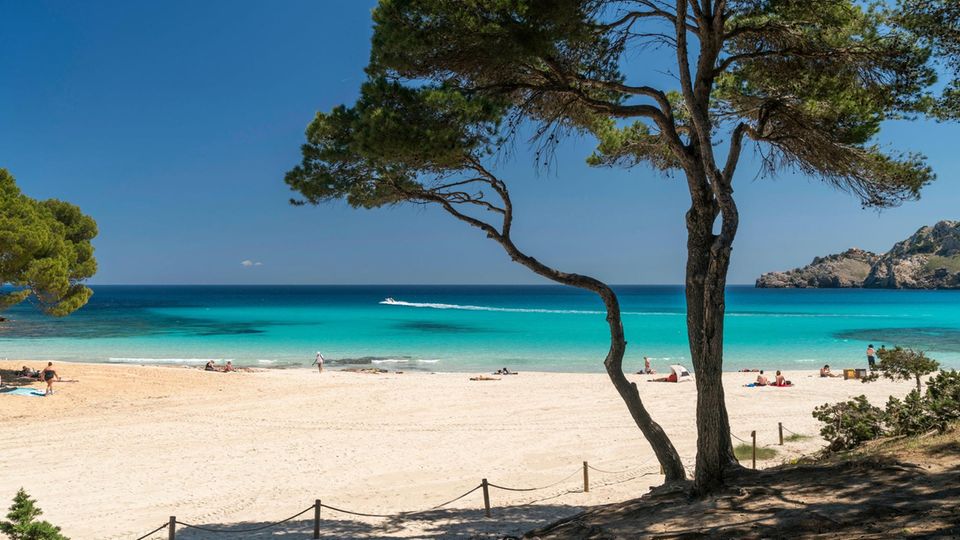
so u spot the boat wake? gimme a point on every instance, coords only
(427, 305)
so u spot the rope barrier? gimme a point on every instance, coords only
(608, 472)
(317, 505)
(158, 529)
(791, 432)
(342, 511)
(437, 507)
(401, 514)
(574, 473)
(254, 529)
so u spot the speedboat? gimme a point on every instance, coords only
(389, 300)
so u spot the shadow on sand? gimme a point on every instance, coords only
(507, 522)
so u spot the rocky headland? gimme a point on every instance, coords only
(929, 259)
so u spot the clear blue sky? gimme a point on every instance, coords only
(172, 123)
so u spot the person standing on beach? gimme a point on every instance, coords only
(47, 376)
(319, 362)
(871, 356)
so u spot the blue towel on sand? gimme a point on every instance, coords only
(23, 392)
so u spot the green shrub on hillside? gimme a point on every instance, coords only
(912, 416)
(849, 423)
(943, 396)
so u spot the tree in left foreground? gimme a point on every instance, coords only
(45, 251)
(22, 521)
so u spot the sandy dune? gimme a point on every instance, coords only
(113, 455)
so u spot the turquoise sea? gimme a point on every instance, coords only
(475, 328)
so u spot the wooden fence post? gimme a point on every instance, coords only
(172, 529)
(316, 519)
(780, 428)
(486, 497)
(586, 478)
(753, 435)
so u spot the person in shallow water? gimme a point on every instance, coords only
(871, 356)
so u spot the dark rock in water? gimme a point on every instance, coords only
(930, 259)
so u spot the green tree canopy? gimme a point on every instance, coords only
(936, 26)
(45, 251)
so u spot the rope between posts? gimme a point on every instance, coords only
(342, 511)
(738, 438)
(399, 514)
(608, 472)
(158, 529)
(789, 431)
(254, 529)
(450, 501)
(574, 473)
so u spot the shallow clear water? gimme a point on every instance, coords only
(473, 328)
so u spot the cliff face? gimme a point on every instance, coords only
(841, 270)
(930, 259)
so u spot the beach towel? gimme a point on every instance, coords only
(29, 392)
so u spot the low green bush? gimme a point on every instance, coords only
(849, 423)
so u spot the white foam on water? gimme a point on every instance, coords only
(122, 360)
(430, 305)
(402, 361)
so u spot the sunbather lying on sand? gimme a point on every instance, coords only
(484, 378)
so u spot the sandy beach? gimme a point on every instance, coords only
(114, 454)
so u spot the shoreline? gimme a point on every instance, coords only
(404, 368)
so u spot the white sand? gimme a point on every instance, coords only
(115, 454)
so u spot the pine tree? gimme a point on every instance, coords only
(22, 524)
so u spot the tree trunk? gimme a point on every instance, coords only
(666, 453)
(707, 262)
(662, 446)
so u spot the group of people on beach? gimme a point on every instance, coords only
(212, 366)
(778, 380)
(47, 375)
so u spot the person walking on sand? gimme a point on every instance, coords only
(871, 357)
(47, 376)
(319, 362)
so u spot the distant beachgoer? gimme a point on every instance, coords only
(211, 366)
(825, 371)
(871, 356)
(48, 375)
(229, 366)
(646, 366)
(762, 379)
(27, 372)
(781, 381)
(319, 362)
